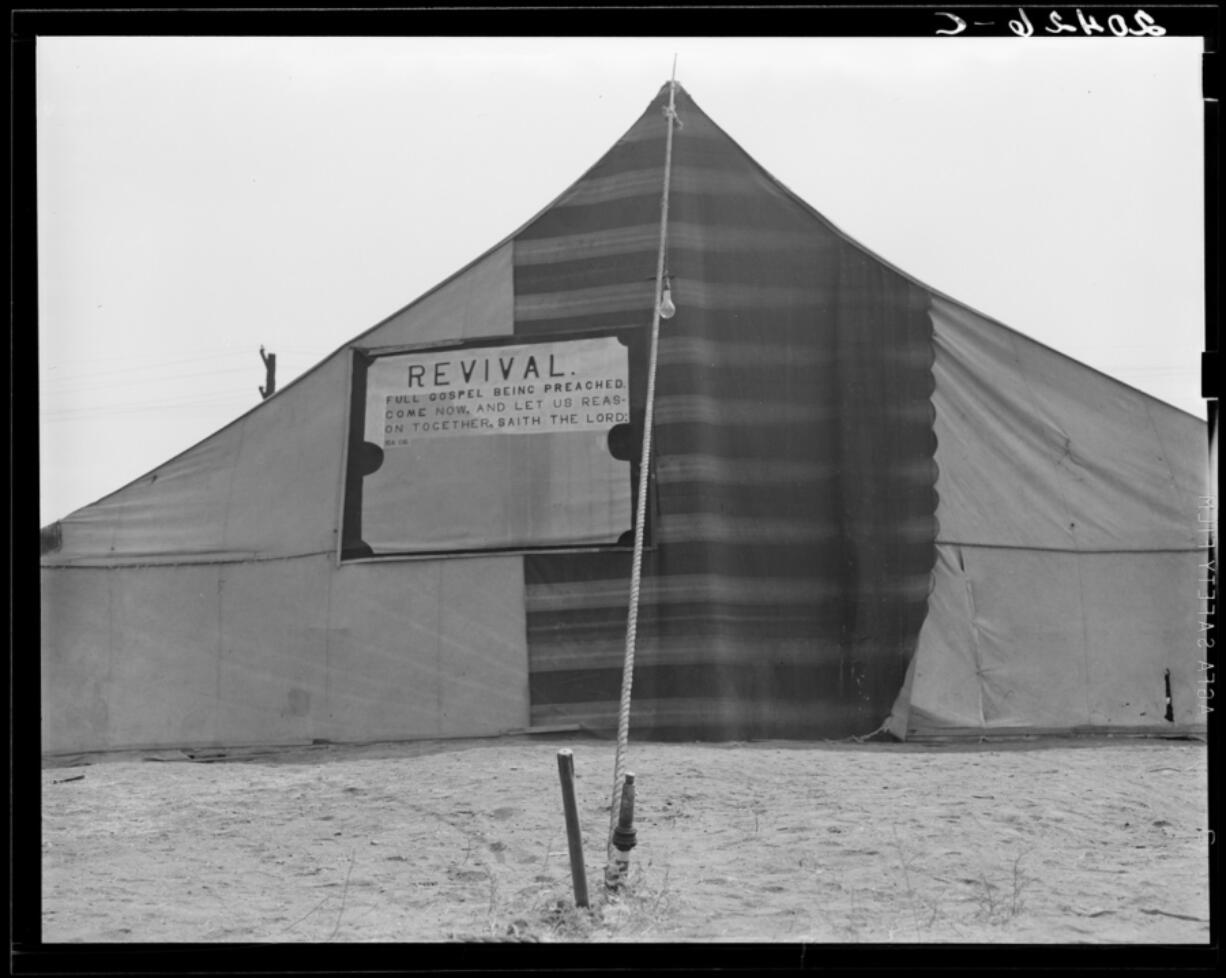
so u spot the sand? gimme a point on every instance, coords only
(1102, 841)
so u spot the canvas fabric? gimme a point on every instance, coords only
(792, 515)
(204, 603)
(868, 505)
(1067, 591)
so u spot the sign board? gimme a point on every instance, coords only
(442, 463)
(539, 388)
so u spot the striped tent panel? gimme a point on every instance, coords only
(791, 534)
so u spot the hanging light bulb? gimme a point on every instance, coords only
(667, 309)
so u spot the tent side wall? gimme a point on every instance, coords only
(277, 652)
(1065, 594)
(203, 603)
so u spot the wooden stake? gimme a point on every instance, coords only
(574, 839)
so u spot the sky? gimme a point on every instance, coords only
(201, 197)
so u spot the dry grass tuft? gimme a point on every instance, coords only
(634, 912)
(1000, 905)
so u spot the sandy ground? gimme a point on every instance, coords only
(1071, 841)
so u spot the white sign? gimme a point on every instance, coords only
(573, 385)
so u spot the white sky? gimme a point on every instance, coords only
(199, 197)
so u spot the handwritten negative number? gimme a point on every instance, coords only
(1086, 24)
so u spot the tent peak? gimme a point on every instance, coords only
(664, 89)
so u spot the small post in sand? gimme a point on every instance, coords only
(574, 840)
(623, 838)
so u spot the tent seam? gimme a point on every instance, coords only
(90, 564)
(970, 600)
(1085, 640)
(327, 653)
(1072, 550)
(238, 454)
(1038, 412)
(1162, 447)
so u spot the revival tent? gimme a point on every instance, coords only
(869, 506)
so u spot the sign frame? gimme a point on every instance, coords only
(350, 547)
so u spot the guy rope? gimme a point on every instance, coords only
(616, 866)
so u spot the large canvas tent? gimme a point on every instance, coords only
(869, 506)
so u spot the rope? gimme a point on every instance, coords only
(636, 572)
